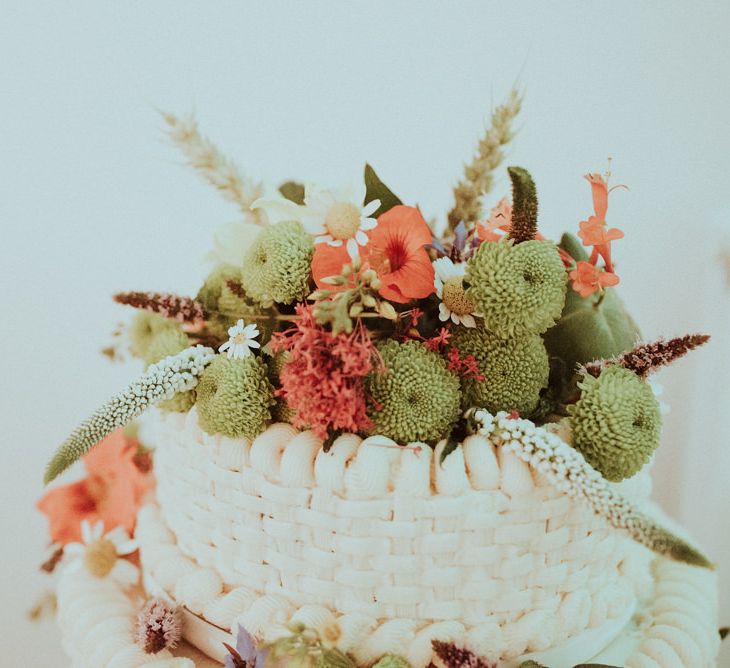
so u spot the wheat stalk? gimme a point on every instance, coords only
(216, 168)
(478, 174)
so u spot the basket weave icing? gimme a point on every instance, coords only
(400, 547)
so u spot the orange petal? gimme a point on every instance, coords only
(599, 190)
(414, 280)
(405, 222)
(608, 279)
(328, 261)
(65, 507)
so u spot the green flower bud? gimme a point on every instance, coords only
(277, 266)
(416, 397)
(519, 288)
(235, 397)
(616, 422)
(515, 370)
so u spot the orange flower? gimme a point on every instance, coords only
(593, 231)
(329, 261)
(500, 218)
(396, 252)
(112, 492)
(587, 278)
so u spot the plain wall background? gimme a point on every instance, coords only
(93, 200)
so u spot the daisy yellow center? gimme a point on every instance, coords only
(240, 338)
(455, 298)
(100, 557)
(342, 220)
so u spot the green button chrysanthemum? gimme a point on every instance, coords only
(416, 397)
(144, 328)
(616, 422)
(169, 342)
(277, 266)
(519, 288)
(515, 370)
(235, 397)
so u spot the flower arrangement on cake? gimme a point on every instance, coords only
(336, 323)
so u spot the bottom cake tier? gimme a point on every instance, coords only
(672, 626)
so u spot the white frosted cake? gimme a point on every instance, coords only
(378, 446)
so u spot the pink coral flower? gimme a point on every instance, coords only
(112, 492)
(499, 223)
(587, 278)
(593, 231)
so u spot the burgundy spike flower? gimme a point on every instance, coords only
(646, 358)
(182, 309)
(458, 657)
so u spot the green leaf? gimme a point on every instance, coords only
(451, 445)
(587, 331)
(570, 244)
(293, 191)
(376, 189)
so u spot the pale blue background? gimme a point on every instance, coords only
(93, 200)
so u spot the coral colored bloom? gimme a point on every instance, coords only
(500, 218)
(587, 278)
(593, 231)
(329, 261)
(322, 380)
(499, 223)
(112, 492)
(396, 251)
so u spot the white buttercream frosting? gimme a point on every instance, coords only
(391, 544)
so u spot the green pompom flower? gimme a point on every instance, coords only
(416, 397)
(393, 661)
(166, 343)
(616, 422)
(235, 397)
(144, 328)
(515, 370)
(519, 288)
(277, 266)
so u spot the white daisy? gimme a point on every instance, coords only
(100, 553)
(241, 340)
(455, 305)
(333, 216)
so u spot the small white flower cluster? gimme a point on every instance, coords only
(161, 381)
(568, 471)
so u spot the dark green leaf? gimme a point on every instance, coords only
(376, 189)
(587, 331)
(451, 444)
(293, 191)
(570, 244)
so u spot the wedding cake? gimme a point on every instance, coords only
(380, 441)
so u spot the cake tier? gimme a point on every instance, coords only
(674, 627)
(386, 542)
